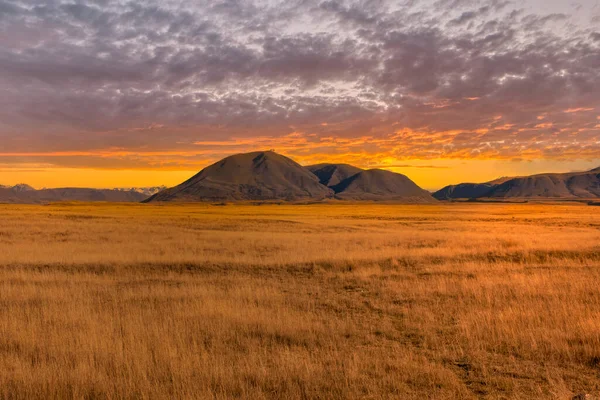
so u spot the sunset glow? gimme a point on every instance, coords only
(116, 93)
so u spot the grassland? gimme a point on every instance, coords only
(314, 301)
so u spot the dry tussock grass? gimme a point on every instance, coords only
(314, 301)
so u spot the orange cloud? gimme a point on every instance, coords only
(576, 110)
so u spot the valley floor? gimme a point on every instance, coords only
(328, 301)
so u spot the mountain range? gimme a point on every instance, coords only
(352, 183)
(268, 176)
(572, 185)
(25, 194)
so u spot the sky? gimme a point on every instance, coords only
(104, 93)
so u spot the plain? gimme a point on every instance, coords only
(299, 301)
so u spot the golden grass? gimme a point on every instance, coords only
(313, 301)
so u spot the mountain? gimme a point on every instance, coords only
(566, 185)
(381, 185)
(332, 174)
(571, 185)
(469, 190)
(263, 175)
(464, 191)
(19, 194)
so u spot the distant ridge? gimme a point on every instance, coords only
(573, 185)
(20, 194)
(146, 191)
(262, 175)
(566, 185)
(22, 187)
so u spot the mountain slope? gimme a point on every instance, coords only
(332, 174)
(381, 185)
(250, 176)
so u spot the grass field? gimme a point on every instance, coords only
(315, 301)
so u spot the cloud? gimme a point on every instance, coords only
(387, 166)
(150, 84)
(463, 18)
(580, 109)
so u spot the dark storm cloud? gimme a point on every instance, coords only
(458, 78)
